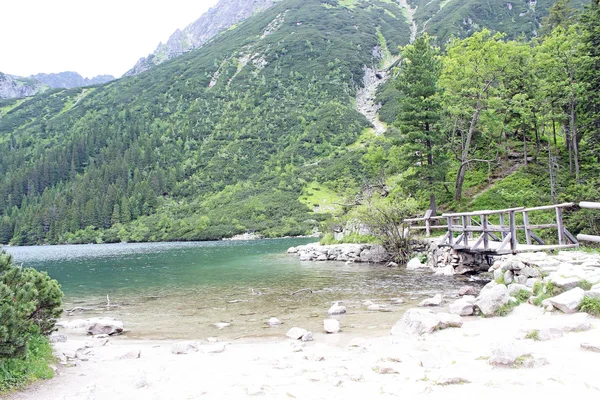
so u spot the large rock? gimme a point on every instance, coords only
(415, 263)
(492, 298)
(468, 291)
(568, 302)
(296, 333)
(336, 309)
(418, 321)
(565, 283)
(104, 326)
(463, 306)
(506, 354)
(432, 302)
(272, 322)
(515, 288)
(375, 254)
(331, 325)
(593, 294)
(530, 272)
(578, 322)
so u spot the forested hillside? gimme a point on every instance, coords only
(258, 130)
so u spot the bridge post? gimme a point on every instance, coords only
(526, 225)
(513, 231)
(484, 227)
(560, 226)
(450, 237)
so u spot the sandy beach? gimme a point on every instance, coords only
(445, 364)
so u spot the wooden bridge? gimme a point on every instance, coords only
(496, 232)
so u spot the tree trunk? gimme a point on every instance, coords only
(575, 144)
(460, 175)
(524, 148)
(569, 147)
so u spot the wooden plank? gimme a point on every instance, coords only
(590, 204)
(484, 225)
(504, 242)
(588, 238)
(469, 221)
(513, 231)
(537, 238)
(432, 227)
(477, 243)
(526, 227)
(560, 227)
(422, 219)
(450, 238)
(570, 236)
(501, 216)
(465, 235)
(482, 212)
(550, 207)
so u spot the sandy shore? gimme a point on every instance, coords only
(446, 364)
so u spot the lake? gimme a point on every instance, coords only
(179, 290)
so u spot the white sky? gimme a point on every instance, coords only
(85, 36)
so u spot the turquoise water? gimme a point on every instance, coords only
(179, 290)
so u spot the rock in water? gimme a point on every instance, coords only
(336, 309)
(417, 321)
(467, 291)
(492, 298)
(107, 326)
(184, 347)
(331, 325)
(274, 322)
(568, 302)
(415, 263)
(296, 333)
(432, 302)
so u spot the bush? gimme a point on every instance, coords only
(591, 306)
(30, 302)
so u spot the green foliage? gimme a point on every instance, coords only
(533, 334)
(328, 238)
(506, 308)
(522, 296)
(591, 306)
(585, 285)
(30, 302)
(16, 372)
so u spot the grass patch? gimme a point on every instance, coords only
(523, 295)
(507, 308)
(585, 285)
(591, 306)
(16, 373)
(533, 334)
(316, 195)
(520, 361)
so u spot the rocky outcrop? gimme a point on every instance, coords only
(463, 306)
(367, 253)
(222, 16)
(331, 325)
(491, 298)
(70, 79)
(15, 86)
(569, 301)
(296, 333)
(105, 326)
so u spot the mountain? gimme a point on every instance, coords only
(224, 15)
(69, 80)
(266, 127)
(15, 86)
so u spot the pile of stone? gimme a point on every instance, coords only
(367, 253)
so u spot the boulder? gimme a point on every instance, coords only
(184, 347)
(296, 333)
(568, 302)
(508, 277)
(593, 294)
(106, 326)
(74, 324)
(432, 302)
(375, 254)
(221, 325)
(505, 355)
(418, 321)
(491, 299)
(498, 274)
(415, 263)
(331, 325)
(378, 307)
(274, 322)
(549, 334)
(515, 288)
(336, 309)
(468, 291)
(463, 306)
(531, 282)
(565, 283)
(578, 322)
(307, 337)
(530, 272)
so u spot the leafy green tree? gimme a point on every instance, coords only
(560, 14)
(422, 142)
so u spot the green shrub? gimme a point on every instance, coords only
(585, 285)
(533, 334)
(523, 295)
(30, 302)
(591, 306)
(17, 372)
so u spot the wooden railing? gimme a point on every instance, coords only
(589, 238)
(499, 235)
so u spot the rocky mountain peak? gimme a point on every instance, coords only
(222, 16)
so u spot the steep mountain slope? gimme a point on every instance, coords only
(15, 86)
(212, 143)
(223, 15)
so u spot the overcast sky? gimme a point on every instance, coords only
(87, 36)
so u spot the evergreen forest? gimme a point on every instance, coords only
(259, 130)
